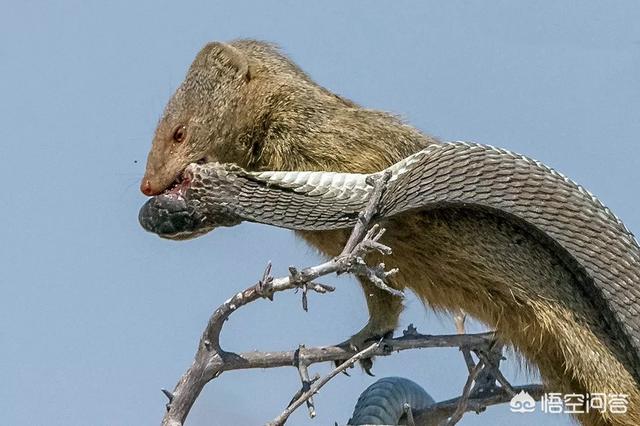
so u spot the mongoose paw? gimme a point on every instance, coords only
(360, 341)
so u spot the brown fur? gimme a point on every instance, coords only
(246, 103)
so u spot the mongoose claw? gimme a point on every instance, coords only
(367, 365)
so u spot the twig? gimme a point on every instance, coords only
(303, 371)
(459, 318)
(365, 217)
(468, 359)
(466, 392)
(365, 353)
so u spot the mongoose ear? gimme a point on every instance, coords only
(216, 54)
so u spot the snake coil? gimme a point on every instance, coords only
(383, 402)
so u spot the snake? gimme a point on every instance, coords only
(584, 234)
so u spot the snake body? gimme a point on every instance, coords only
(383, 402)
(586, 236)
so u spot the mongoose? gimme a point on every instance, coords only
(244, 102)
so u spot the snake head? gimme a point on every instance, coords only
(171, 217)
(178, 213)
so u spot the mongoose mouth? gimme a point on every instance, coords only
(182, 183)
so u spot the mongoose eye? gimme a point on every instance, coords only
(180, 134)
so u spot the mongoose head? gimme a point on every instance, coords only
(198, 118)
(246, 103)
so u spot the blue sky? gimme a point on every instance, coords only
(96, 315)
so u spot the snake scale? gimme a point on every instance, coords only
(584, 234)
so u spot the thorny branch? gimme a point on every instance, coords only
(314, 388)
(211, 360)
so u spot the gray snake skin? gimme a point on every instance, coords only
(586, 236)
(382, 403)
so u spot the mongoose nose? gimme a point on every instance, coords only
(145, 187)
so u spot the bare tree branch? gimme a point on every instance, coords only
(211, 360)
(440, 411)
